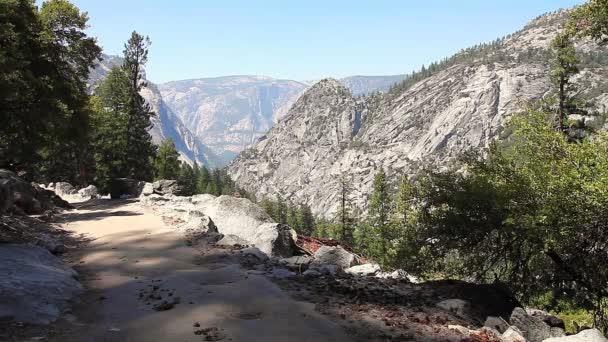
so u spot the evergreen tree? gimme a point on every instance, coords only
(166, 163)
(344, 212)
(43, 99)
(187, 180)
(292, 217)
(280, 210)
(403, 202)
(306, 219)
(590, 20)
(564, 67)
(139, 149)
(110, 122)
(375, 235)
(269, 207)
(204, 179)
(216, 183)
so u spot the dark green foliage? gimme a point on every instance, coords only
(590, 20)
(531, 214)
(166, 162)
(139, 148)
(187, 180)
(44, 61)
(565, 66)
(298, 217)
(204, 177)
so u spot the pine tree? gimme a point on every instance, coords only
(216, 181)
(187, 180)
(403, 201)
(374, 236)
(280, 210)
(344, 212)
(292, 217)
(564, 67)
(140, 149)
(269, 207)
(166, 163)
(45, 58)
(306, 219)
(204, 179)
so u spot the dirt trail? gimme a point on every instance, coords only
(135, 263)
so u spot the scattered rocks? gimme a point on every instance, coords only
(211, 334)
(589, 335)
(35, 285)
(549, 319)
(533, 328)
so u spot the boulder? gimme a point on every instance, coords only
(329, 255)
(125, 186)
(513, 334)
(19, 196)
(323, 269)
(89, 192)
(496, 323)
(533, 328)
(35, 286)
(65, 188)
(248, 221)
(551, 320)
(589, 335)
(363, 270)
(166, 187)
(297, 262)
(50, 244)
(147, 190)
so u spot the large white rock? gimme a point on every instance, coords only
(35, 286)
(89, 192)
(363, 270)
(589, 335)
(328, 255)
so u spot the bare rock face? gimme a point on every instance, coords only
(463, 105)
(35, 286)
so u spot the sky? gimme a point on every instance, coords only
(305, 39)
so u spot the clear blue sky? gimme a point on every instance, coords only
(304, 40)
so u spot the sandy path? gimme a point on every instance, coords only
(133, 251)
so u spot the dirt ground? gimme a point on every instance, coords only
(144, 283)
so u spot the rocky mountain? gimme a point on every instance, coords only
(429, 118)
(365, 85)
(229, 113)
(165, 123)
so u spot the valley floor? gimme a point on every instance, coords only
(144, 283)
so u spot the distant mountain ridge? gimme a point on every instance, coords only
(428, 119)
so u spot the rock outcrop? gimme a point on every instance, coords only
(329, 133)
(35, 286)
(21, 197)
(231, 216)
